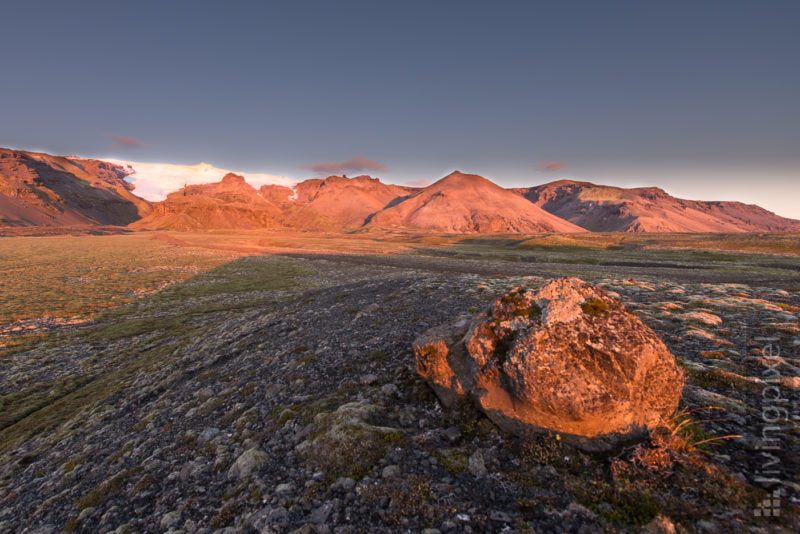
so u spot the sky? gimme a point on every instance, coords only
(700, 97)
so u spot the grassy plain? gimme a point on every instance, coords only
(61, 276)
(52, 280)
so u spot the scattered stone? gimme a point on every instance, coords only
(660, 524)
(476, 465)
(452, 434)
(151, 450)
(499, 516)
(705, 318)
(369, 379)
(390, 390)
(249, 461)
(390, 471)
(790, 381)
(209, 433)
(282, 489)
(170, 519)
(320, 515)
(86, 512)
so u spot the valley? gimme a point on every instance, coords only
(205, 365)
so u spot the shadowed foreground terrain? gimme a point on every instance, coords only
(277, 392)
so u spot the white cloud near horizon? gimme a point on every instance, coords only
(154, 181)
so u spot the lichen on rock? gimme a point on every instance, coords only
(568, 358)
(345, 442)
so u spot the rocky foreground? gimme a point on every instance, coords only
(296, 407)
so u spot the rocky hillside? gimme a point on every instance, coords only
(347, 203)
(602, 208)
(468, 203)
(42, 190)
(458, 203)
(333, 204)
(230, 203)
(276, 394)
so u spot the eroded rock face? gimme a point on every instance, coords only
(567, 358)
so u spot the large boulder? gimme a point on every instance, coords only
(567, 358)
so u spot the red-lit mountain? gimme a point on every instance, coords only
(43, 190)
(230, 203)
(468, 203)
(601, 208)
(335, 203)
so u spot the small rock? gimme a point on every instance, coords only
(390, 390)
(476, 465)
(790, 382)
(452, 434)
(369, 379)
(708, 526)
(278, 515)
(390, 471)
(320, 515)
(205, 394)
(209, 433)
(86, 512)
(502, 517)
(659, 525)
(249, 461)
(345, 483)
(282, 489)
(170, 519)
(701, 317)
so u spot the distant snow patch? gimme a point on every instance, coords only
(154, 181)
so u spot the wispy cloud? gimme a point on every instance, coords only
(352, 165)
(552, 166)
(125, 143)
(419, 183)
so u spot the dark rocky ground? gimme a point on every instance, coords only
(290, 403)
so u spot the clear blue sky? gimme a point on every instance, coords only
(699, 97)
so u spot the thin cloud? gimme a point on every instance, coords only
(419, 183)
(352, 165)
(552, 166)
(125, 143)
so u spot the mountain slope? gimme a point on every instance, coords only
(649, 209)
(43, 190)
(346, 203)
(467, 203)
(228, 204)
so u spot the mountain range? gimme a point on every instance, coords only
(43, 190)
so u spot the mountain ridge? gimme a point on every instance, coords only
(601, 208)
(38, 189)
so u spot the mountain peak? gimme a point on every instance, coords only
(565, 181)
(231, 178)
(460, 179)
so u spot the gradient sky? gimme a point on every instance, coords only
(699, 97)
